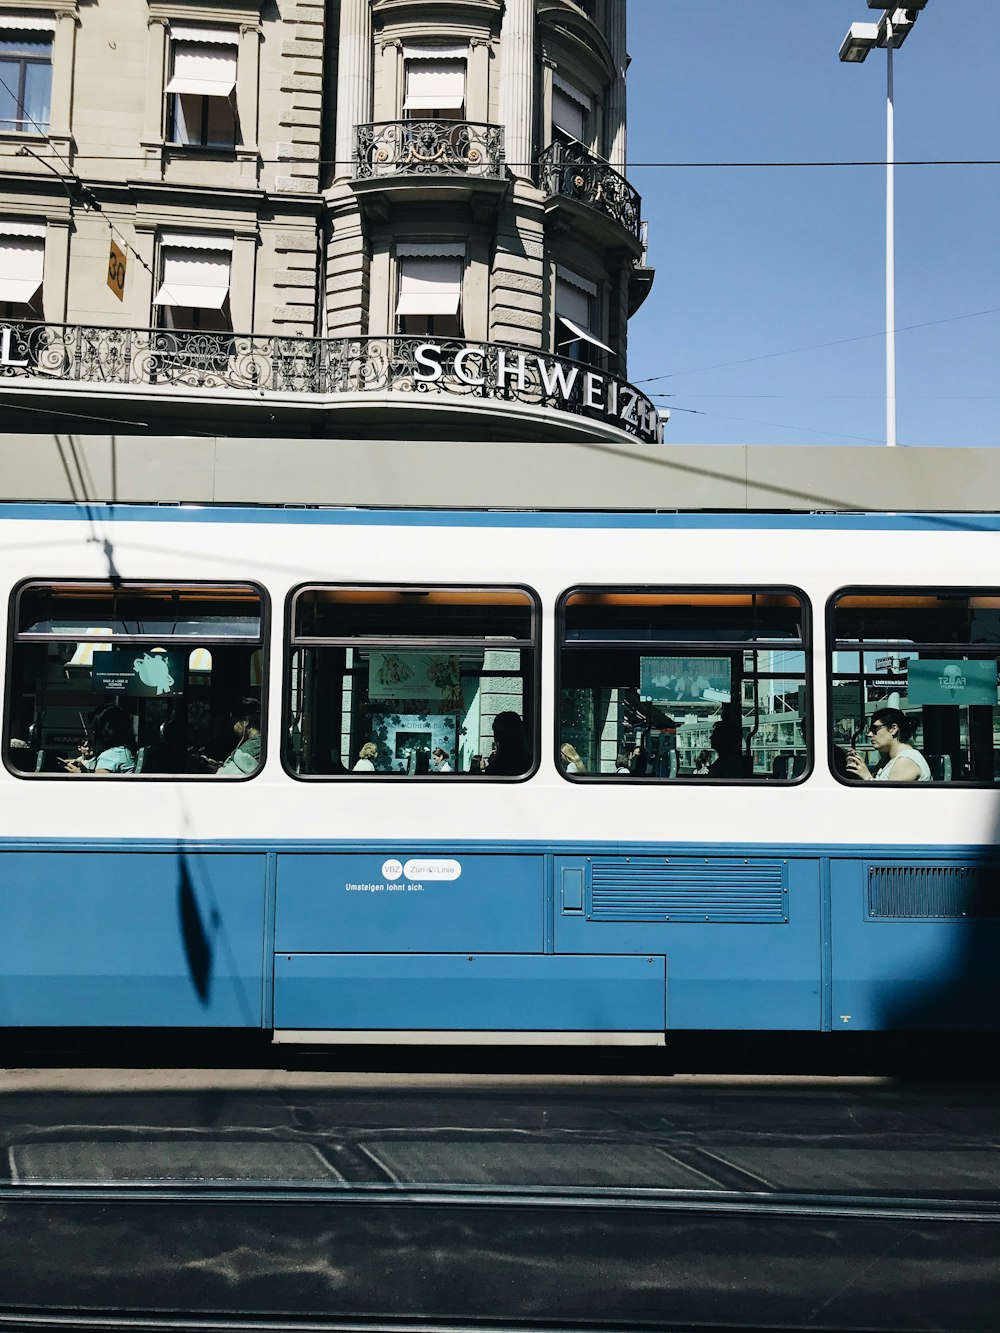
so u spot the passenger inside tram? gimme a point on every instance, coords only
(110, 746)
(244, 758)
(899, 761)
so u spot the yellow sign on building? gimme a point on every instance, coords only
(116, 271)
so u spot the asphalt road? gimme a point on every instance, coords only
(454, 1199)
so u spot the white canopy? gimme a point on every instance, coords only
(433, 84)
(14, 22)
(205, 69)
(429, 286)
(193, 278)
(22, 259)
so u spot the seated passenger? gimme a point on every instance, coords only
(20, 752)
(623, 763)
(703, 762)
(245, 759)
(727, 742)
(366, 758)
(440, 761)
(511, 756)
(572, 763)
(112, 748)
(890, 730)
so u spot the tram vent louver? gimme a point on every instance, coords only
(925, 892)
(687, 889)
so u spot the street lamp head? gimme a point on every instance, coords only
(860, 39)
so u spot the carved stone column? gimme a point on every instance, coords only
(615, 108)
(354, 80)
(517, 85)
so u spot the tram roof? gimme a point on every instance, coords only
(446, 474)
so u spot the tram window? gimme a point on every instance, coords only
(161, 679)
(681, 684)
(932, 654)
(406, 682)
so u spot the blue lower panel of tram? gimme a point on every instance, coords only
(133, 936)
(132, 939)
(474, 992)
(741, 935)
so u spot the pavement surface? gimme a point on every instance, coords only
(341, 1199)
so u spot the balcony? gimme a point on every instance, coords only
(440, 160)
(572, 177)
(454, 387)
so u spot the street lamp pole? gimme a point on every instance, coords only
(889, 33)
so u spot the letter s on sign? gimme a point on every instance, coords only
(422, 356)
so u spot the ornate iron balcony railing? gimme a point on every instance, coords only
(427, 368)
(429, 148)
(570, 171)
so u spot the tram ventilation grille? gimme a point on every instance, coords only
(657, 889)
(926, 891)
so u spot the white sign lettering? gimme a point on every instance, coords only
(6, 334)
(432, 868)
(524, 371)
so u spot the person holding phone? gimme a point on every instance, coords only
(899, 761)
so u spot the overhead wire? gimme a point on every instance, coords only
(92, 204)
(815, 347)
(776, 164)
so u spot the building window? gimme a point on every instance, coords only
(25, 73)
(683, 683)
(570, 111)
(924, 662)
(576, 316)
(429, 298)
(201, 93)
(194, 282)
(411, 681)
(22, 259)
(127, 678)
(435, 82)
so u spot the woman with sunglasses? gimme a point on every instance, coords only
(890, 731)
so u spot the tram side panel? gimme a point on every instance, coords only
(371, 941)
(132, 938)
(915, 942)
(741, 935)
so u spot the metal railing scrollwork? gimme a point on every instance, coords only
(425, 367)
(429, 148)
(570, 171)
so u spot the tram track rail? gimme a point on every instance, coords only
(723, 1202)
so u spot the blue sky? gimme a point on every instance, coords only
(755, 261)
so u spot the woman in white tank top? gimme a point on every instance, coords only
(899, 761)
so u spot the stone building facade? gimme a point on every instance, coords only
(336, 217)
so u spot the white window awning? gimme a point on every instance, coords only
(15, 227)
(571, 91)
(435, 53)
(573, 302)
(431, 84)
(193, 278)
(184, 32)
(195, 240)
(585, 334)
(567, 115)
(429, 287)
(207, 71)
(13, 22)
(22, 259)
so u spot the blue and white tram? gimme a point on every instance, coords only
(496, 777)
